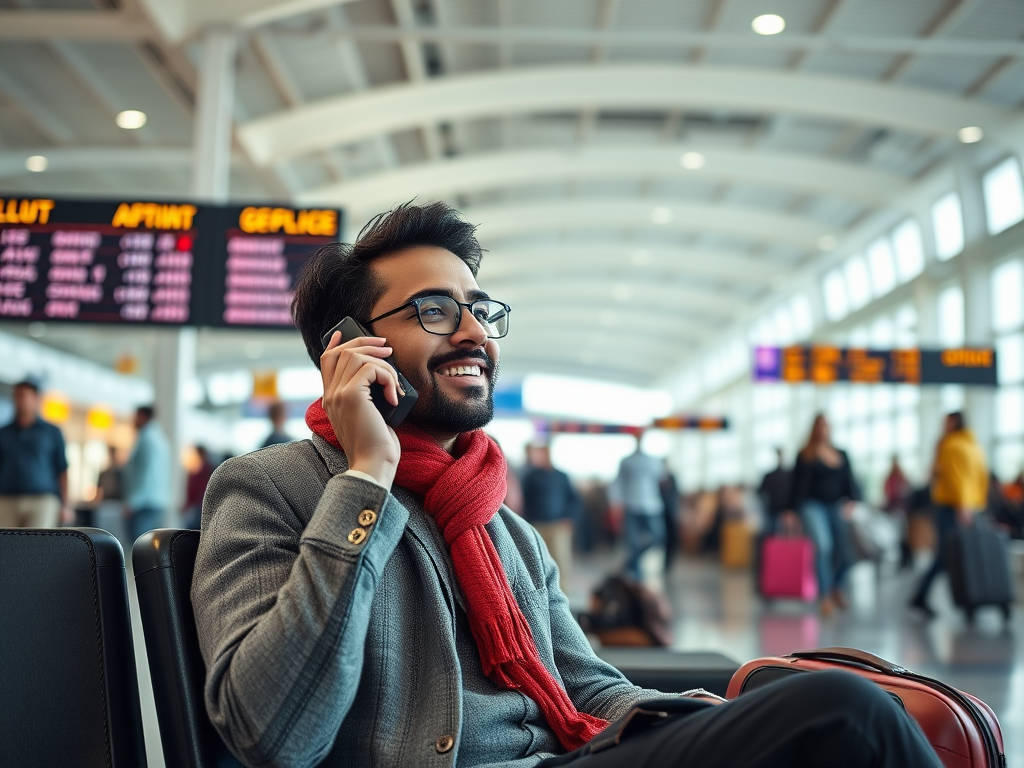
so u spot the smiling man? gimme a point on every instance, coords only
(364, 599)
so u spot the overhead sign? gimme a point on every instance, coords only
(671, 423)
(828, 365)
(158, 262)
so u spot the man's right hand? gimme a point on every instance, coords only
(348, 369)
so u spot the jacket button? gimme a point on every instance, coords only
(357, 536)
(444, 743)
(367, 517)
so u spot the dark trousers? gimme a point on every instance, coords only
(145, 519)
(945, 526)
(642, 533)
(810, 720)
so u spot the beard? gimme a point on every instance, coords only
(438, 412)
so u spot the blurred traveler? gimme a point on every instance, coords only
(670, 509)
(635, 496)
(1004, 512)
(195, 489)
(1014, 491)
(824, 490)
(147, 475)
(278, 415)
(774, 492)
(377, 605)
(898, 490)
(109, 485)
(959, 492)
(551, 505)
(33, 466)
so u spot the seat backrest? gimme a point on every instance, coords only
(164, 560)
(69, 694)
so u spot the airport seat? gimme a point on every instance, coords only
(163, 561)
(69, 693)
(672, 671)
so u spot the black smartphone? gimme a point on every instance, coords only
(393, 414)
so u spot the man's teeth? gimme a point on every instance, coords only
(462, 370)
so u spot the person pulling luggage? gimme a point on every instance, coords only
(959, 492)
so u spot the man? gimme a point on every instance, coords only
(550, 504)
(774, 492)
(377, 606)
(669, 489)
(33, 466)
(636, 497)
(147, 475)
(959, 492)
(278, 414)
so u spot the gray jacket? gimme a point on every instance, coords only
(324, 652)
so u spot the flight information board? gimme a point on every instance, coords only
(174, 263)
(828, 365)
(670, 423)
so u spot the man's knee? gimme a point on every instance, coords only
(833, 691)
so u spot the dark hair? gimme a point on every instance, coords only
(30, 383)
(148, 411)
(959, 422)
(338, 282)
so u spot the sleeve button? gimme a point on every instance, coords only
(357, 536)
(444, 743)
(367, 517)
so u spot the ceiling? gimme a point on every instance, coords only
(646, 174)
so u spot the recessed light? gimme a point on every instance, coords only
(970, 135)
(36, 163)
(641, 257)
(692, 161)
(827, 243)
(768, 24)
(131, 119)
(661, 215)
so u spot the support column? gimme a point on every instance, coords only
(174, 365)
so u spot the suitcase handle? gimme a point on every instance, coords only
(854, 655)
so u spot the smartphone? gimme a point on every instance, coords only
(393, 414)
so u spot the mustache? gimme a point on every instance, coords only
(451, 357)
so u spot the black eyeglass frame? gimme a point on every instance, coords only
(458, 318)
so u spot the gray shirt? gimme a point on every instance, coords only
(321, 651)
(636, 487)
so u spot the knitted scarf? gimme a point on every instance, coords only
(462, 493)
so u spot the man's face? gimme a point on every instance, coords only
(26, 402)
(449, 403)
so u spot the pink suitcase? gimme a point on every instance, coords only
(787, 568)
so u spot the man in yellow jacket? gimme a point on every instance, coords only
(959, 492)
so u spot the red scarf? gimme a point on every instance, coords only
(462, 494)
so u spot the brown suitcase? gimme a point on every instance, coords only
(963, 730)
(737, 544)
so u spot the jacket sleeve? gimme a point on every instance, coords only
(282, 609)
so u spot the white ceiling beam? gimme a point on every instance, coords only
(384, 110)
(51, 125)
(97, 26)
(498, 170)
(946, 23)
(416, 72)
(182, 19)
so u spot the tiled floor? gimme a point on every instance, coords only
(716, 610)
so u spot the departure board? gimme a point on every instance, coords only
(671, 423)
(166, 262)
(97, 261)
(828, 365)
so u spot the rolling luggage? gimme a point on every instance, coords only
(979, 568)
(963, 730)
(787, 568)
(737, 544)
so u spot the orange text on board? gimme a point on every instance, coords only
(154, 216)
(312, 221)
(967, 358)
(25, 211)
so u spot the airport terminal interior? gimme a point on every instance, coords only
(718, 224)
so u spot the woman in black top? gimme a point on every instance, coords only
(822, 494)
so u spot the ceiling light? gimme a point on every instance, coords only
(641, 257)
(131, 119)
(970, 135)
(827, 243)
(622, 292)
(661, 215)
(768, 24)
(692, 161)
(36, 163)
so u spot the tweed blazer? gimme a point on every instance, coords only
(328, 649)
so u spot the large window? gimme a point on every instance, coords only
(1008, 325)
(1004, 196)
(906, 242)
(948, 220)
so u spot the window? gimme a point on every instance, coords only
(1008, 296)
(948, 220)
(906, 241)
(1010, 359)
(836, 302)
(857, 282)
(883, 270)
(951, 316)
(1004, 196)
(784, 325)
(803, 317)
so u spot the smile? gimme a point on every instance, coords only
(460, 370)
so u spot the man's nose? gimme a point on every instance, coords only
(470, 330)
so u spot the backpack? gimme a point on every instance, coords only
(624, 611)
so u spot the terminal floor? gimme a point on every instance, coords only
(718, 610)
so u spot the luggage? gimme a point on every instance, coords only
(737, 544)
(963, 730)
(787, 568)
(979, 568)
(921, 533)
(626, 612)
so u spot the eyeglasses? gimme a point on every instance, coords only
(442, 315)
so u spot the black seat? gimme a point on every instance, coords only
(163, 561)
(69, 694)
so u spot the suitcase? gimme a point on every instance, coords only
(787, 568)
(737, 544)
(979, 568)
(963, 730)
